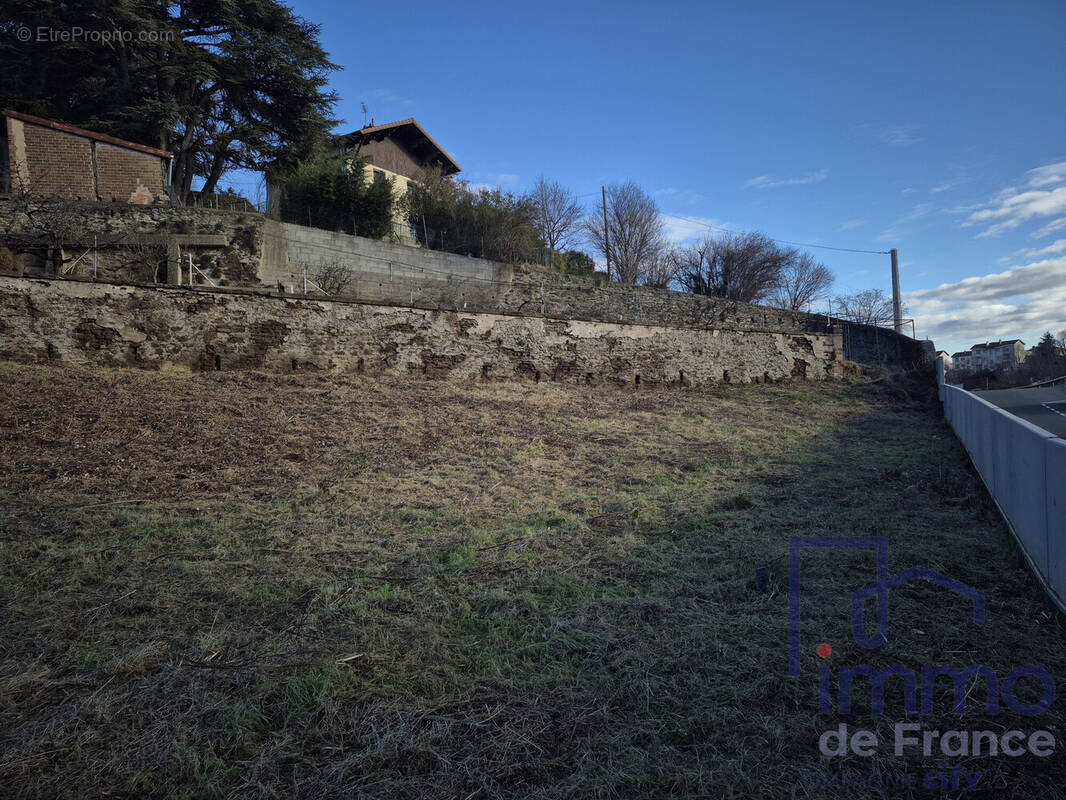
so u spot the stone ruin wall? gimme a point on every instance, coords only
(87, 323)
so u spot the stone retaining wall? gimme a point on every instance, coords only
(85, 323)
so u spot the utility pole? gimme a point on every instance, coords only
(897, 305)
(606, 240)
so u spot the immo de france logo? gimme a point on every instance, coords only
(910, 738)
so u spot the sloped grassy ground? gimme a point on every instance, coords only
(240, 585)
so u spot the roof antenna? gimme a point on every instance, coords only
(365, 109)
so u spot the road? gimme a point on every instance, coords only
(1045, 406)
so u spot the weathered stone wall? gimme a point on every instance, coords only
(130, 240)
(80, 322)
(871, 344)
(246, 249)
(544, 291)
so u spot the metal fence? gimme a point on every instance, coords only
(1024, 468)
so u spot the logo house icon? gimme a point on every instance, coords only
(879, 589)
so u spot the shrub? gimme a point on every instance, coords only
(447, 214)
(10, 264)
(574, 262)
(333, 193)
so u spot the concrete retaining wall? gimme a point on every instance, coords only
(386, 272)
(87, 323)
(1024, 468)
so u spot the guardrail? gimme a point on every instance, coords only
(1024, 468)
(1048, 382)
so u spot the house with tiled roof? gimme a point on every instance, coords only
(398, 150)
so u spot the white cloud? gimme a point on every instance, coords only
(493, 181)
(686, 196)
(959, 175)
(1058, 246)
(900, 135)
(851, 224)
(917, 212)
(1024, 300)
(892, 135)
(1049, 175)
(896, 231)
(770, 182)
(680, 230)
(387, 98)
(1050, 228)
(1043, 195)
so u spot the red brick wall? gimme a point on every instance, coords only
(120, 172)
(59, 163)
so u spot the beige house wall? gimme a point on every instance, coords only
(400, 188)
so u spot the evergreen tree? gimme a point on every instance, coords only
(222, 85)
(333, 193)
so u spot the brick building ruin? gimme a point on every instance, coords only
(45, 158)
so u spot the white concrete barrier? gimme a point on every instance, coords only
(1024, 469)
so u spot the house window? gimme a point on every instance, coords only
(379, 175)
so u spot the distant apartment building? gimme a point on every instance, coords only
(962, 361)
(944, 358)
(1004, 354)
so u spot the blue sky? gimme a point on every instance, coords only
(936, 128)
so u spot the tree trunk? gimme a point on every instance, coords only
(218, 168)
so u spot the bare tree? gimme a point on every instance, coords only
(333, 277)
(142, 257)
(55, 225)
(660, 272)
(737, 266)
(802, 279)
(634, 240)
(556, 213)
(869, 307)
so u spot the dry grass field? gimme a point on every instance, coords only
(247, 585)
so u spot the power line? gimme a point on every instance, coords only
(779, 241)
